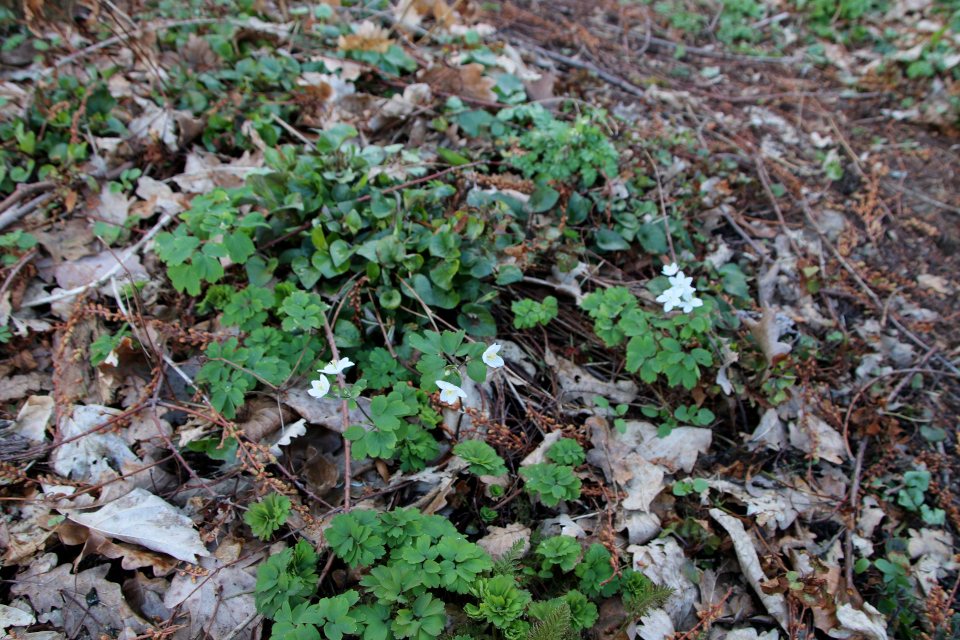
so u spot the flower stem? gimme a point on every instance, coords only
(343, 410)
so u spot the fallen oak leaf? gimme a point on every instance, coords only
(142, 518)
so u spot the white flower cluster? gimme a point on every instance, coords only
(681, 294)
(321, 387)
(449, 393)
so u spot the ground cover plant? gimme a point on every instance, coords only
(427, 320)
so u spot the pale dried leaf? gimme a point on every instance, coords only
(767, 333)
(166, 200)
(143, 518)
(771, 431)
(663, 561)
(91, 453)
(324, 411)
(538, 455)
(818, 439)
(34, 417)
(750, 565)
(218, 602)
(656, 625)
(15, 387)
(286, 435)
(113, 208)
(499, 540)
(868, 623)
(70, 240)
(13, 617)
(577, 382)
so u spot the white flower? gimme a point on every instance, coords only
(336, 366)
(450, 392)
(490, 357)
(670, 269)
(689, 303)
(669, 299)
(681, 294)
(319, 388)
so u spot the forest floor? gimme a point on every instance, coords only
(365, 320)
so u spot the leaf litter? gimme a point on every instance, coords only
(762, 515)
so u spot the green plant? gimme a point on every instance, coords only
(305, 620)
(553, 620)
(508, 564)
(501, 601)
(462, 562)
(683, 414)
(618, 411)
(103, 346)
(559, 551)
(288, 577)
(268, 515)
(352, 537)
(554, 149)
(911, 497)
(385, 415)
(18, 242)
(641, 594)
(686, 487)
(399, 583)
(658, 345)
(483, 459)
(551, 482)
(529, 313)
(422, 621)
(596, 573)
(567, 451)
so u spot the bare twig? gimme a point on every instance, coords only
(854, 495)
(579, 64)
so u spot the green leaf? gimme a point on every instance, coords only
(339, 252)
(609, 240)
(477, 320)
(452, 157)
(734, 281)
(542, 200)
(508, 274)
(477, 371)
(239, 246)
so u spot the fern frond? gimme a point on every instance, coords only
(508, 564)
(554, 626)
(641, 595)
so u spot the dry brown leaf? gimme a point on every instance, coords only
(68, 241)
(51, 587)
(467, 80)
(112, 207)
(15, 387)
(368, 37)
(263, 417)
(145, 596)
(818, 439)
(197, 54)
(320, 473)
(499, 540)
(767, 332)
(134, 556)
(233, 584)
(577, 382)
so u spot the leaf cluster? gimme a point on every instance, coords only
(551, 483)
